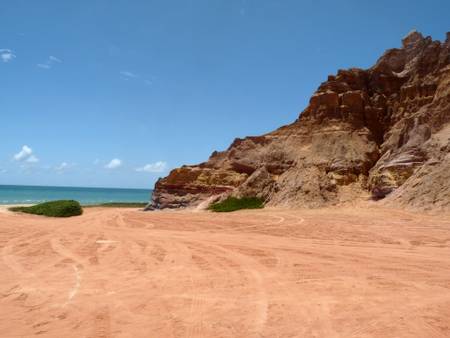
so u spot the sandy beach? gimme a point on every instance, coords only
(269, 273)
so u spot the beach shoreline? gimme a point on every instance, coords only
(29, 195)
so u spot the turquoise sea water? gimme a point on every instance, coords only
(21, 194)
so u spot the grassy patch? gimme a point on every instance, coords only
(119, 205)
(63, 208)
(233, 204)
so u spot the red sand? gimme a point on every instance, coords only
(269, 273)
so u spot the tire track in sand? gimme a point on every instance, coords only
(253, 269)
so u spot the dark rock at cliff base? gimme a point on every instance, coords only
(382, 132)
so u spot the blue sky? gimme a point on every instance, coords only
(116, 93)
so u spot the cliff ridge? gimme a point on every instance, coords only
(381, 133)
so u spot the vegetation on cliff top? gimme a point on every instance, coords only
(233, 204)
(62, 208)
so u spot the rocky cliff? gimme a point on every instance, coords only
(380, 133)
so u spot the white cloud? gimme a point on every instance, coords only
(26, 155)
(54, 59)
(44, 65)
(113, 164)
(49, 63)
(23, 154)
(157, 167)
(128, 75)
(62, 166)
(7, 55)
(32, 159)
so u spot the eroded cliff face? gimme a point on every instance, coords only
(381, 133)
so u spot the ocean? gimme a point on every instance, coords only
(21, 194)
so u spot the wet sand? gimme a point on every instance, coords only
(268, 273)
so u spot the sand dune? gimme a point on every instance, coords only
(268, 273)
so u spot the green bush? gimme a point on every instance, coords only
(63, 208)
(233, 204)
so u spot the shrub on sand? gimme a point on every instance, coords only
(62, 208)
(234, 203)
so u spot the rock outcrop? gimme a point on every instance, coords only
(381, 133)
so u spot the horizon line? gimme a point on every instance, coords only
(68, 186)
